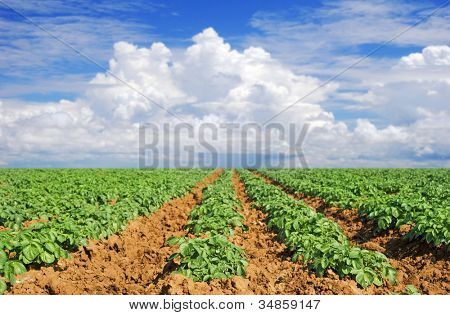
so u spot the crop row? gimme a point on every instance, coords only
(88, 216)
(210, 255)
(391, 198)
(314, 239)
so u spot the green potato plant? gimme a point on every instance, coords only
(204, 259)
(217, 213)
(212, 256)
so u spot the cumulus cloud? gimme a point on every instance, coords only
(209, 81)
(430, 56)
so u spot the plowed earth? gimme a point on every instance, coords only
(134, 262)
(417, 263)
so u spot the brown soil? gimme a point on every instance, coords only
(129, 263)
(418, 263)
(27, 224)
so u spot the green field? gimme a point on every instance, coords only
(47, 214)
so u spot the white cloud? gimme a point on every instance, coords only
(210, 82)
(430, 56)
(417, 81)
(208, 76)
(323, 41)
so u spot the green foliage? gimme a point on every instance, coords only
(75, 206)
(204, 259)
(409, 290)
(433, 225)
(11, 268)
(217, 214)
(3, 286)
(390, 197)
(317, 241)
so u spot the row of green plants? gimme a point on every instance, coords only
(389, 197)
(142, 192)
(315, 240)
(27, 195)
(210, 255)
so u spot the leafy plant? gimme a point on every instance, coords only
(3, 286)
(9, 269)
(204, 259)
(218, 212)
(409, 290)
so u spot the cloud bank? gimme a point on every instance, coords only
(209, 81)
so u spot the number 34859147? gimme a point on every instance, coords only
(288, 304)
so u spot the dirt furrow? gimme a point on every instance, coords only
(128, 263)
(417, 263)
(270, 270)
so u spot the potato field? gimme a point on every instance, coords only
(224, 231)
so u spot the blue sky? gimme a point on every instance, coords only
(173, 22)
(309, 38)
